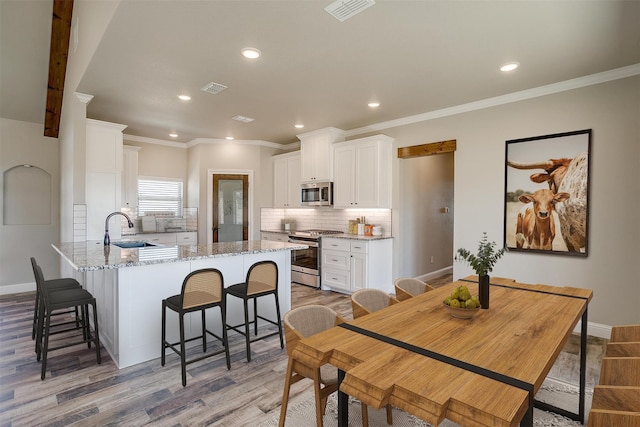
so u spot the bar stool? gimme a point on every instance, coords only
(63, 299)
(53, 285)
(262, 280)
(201, 289)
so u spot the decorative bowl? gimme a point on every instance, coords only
(461, 313)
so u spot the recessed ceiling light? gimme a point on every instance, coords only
(509, 66)
(230, 138)
(299, 126)
(173, 135)
(374, 104)
(251, 53)
(184, 97)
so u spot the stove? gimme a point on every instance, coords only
(305, 263)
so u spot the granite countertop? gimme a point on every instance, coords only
(93, 255)
(277, 231)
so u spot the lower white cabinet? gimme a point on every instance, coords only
(351, 264)
(276, 237)
(181, 238)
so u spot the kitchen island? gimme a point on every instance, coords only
(130, 284)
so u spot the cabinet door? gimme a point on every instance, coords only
(343, 184)
(294, 174)
(358, 271)
(280, 185)
(366, 175)
(316, 159)
(130, 176)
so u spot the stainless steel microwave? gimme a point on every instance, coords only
(317, 194)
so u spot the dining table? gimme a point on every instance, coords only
(480, 371)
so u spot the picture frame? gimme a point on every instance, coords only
(546, 198)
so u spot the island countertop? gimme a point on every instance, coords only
(93, 255)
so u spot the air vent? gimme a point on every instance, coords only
(242, 119)
(213, 88)
(343, 10)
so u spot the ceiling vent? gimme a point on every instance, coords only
(242, 119)
(345, 9)
(213, 88)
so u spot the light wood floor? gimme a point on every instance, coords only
(79, 392)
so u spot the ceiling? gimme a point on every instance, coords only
(413, 57)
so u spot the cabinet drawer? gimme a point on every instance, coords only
(276, 237)
(335, 277)
(336, 244)
(359, 246)
(187, 238)
(335, 259)
(160, 238)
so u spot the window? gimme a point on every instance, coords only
(159, 196)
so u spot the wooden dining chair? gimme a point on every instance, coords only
(409, 287)
(299, 323)
(363, 302)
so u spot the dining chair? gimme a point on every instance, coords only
(261, 280)
(409, 287)
(201, 289)
(299, 323)
(53, 285)
(363, 302)
(63, 299)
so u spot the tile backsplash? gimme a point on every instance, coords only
(323, 218)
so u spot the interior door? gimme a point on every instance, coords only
(230, 208)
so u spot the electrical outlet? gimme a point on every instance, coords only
(431, 259)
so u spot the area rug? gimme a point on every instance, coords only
(557, 393)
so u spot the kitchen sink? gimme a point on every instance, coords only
(133, 244)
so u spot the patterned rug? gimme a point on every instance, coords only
(554, 392)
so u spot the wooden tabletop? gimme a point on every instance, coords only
(476, 372)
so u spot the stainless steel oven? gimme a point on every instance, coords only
(305, 263)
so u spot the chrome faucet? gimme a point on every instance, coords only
(107, 240)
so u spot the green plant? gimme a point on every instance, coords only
(487, 256)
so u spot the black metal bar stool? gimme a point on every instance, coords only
(54, 285)
(262, 280)
(201, 289)
(63, 299)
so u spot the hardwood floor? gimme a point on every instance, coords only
(79, 392)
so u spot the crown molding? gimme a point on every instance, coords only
(83, 97)
(257, 142)
(593, 79)
(147, 140)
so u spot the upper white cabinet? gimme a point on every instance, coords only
(317, 153)
(103, 174)
(130, 176)
(362, 176)
(286, 180)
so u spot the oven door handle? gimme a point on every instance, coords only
(305, 242)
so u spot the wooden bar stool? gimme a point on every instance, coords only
(201, 289)
(262, 280)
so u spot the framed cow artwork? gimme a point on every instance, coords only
(546, 205)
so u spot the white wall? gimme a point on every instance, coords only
(23, 143)
(612, 110)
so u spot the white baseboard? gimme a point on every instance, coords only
(595, 330)
(436, 274)
(19, 288)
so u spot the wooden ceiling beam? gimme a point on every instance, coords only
(58, 54)
(427, 149)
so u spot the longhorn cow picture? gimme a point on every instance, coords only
(546, 205)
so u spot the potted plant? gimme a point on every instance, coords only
(482, 263)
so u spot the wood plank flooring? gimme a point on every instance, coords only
(79, 392)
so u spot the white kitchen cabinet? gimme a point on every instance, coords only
(316, 150)
(159, 238)
(287, 180)
(187, 238)
(103, 176)
(276, 237)
(362, 176)
(130, 176)
(352, 264)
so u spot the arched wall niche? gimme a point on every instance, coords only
(26, 196)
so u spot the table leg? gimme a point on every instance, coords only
(343, 403)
